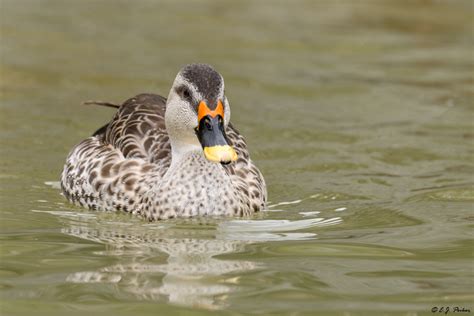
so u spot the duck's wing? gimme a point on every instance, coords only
(244, 173)
(138, 129)
(105, 171)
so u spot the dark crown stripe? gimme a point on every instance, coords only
(207, 81)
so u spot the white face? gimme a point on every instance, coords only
(181, 110)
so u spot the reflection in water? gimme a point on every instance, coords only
(191, 275)
(185, 278)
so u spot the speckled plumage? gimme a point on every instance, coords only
(127, 165)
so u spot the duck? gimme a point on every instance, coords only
(163, 158)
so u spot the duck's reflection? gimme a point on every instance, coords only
(189, 274)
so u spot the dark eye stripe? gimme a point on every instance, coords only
(184, 93)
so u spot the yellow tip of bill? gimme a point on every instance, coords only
(219, 153)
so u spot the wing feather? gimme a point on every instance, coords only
(244, 173)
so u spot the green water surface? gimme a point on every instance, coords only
(359, 114)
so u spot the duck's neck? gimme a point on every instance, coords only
(182, 149)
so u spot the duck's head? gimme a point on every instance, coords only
(197, 113)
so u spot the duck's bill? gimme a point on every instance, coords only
(220, 153)
(211, 135)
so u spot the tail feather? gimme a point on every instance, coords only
(101, 131)
(102, 103)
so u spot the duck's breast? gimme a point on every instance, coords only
(193, 187)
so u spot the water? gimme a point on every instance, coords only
(358, 113)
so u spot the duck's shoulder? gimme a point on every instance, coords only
(145, 100)
(138, 129)
(237, 141)
(246, 174)
(145, 106)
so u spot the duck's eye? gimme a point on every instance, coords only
(184, 93)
